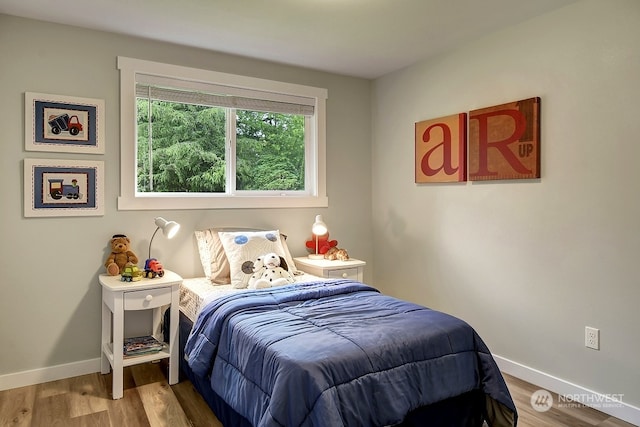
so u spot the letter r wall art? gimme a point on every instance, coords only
(503, 142)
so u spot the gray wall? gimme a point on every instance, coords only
(50, 296)
(529, 264)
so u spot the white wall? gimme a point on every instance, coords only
(49, 292)
(528, 263)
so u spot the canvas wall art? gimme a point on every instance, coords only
(440, 149)
(504, 141)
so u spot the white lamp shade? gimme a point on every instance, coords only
(319, 228)
(169, 228)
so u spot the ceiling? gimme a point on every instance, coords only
(362, 38)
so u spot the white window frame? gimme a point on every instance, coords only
(130, 199)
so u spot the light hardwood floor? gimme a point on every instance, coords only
(581, 416)
(149, 401)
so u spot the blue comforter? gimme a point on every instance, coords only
(338, 353)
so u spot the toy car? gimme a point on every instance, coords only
(153, 268)
(131, 273)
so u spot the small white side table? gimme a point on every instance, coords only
(118, 297)
(350, 269)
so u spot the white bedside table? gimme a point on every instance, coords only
(118, 297)
(350, 269)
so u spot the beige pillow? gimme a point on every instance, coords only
(287, 254)
(212, 257)
(244, 247)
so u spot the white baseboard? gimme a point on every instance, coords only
(621, 410)
(51, 373)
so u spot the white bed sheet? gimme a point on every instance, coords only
(196, 292)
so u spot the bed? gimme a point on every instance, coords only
(334, 352)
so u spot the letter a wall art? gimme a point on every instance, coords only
(441, 149)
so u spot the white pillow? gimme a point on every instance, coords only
(214, 260)
(243, 247)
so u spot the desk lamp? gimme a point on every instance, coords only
(319, 228)
(169, 228)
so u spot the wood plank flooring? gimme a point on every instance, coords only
(581, 416)
(150, 402)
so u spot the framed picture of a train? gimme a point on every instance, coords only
(63, 123)
(63, 188)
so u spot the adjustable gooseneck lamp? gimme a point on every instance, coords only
(319, 228)
(169, 229)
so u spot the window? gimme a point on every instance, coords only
(197, 139)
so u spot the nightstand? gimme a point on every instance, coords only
(146, 294)
(350, 269)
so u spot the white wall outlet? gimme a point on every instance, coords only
(592, 338)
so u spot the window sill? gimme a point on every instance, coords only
(226, 202)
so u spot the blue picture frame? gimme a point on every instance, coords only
(64, 124)
(63, 187)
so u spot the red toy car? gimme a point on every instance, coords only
(153, 268)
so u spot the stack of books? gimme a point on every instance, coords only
(142, 345)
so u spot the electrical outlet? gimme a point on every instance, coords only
(592, 338)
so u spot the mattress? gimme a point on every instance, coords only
(196, 292)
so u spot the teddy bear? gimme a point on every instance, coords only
(324, 244)
(270, 270)
(336, 253)
(120, 255)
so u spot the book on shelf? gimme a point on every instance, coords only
(147, 344)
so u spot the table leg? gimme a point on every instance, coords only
(105, 366)
(118, 343)
(173, 337)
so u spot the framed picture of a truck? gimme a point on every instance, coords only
(63, 123)
(63, 187)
